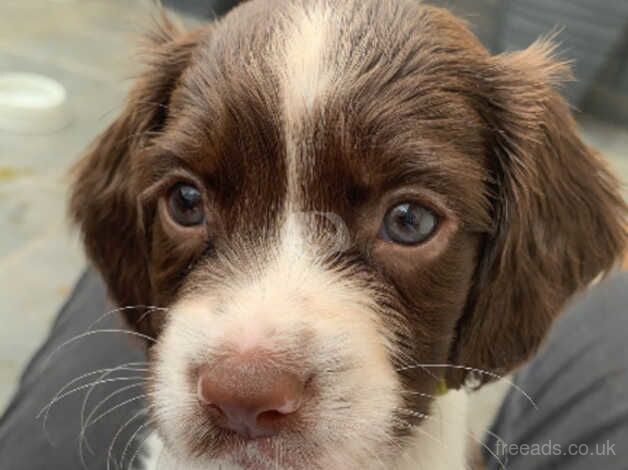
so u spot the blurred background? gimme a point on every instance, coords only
(87, 46)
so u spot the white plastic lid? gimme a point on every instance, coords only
(32, 104)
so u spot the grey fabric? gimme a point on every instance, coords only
(588, 33)
(579, 382)
(202, 8)
(24, 444)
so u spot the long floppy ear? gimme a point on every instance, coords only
(559, 217)
(104, 200)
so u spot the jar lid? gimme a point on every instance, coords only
(32, 103)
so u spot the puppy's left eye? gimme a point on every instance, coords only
(185, 205)
(408, 224)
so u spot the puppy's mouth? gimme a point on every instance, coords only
(261, 454)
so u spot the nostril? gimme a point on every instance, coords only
(269, 418)
(215, 410)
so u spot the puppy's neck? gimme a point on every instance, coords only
(440, 443)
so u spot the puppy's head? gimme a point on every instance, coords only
(333, 200)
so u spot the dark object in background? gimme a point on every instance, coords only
(202, 8)
(591, 33)
(24, 444)
(608, 96)
(579, 382)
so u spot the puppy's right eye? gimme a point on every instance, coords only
(408, 224)
(185, 205)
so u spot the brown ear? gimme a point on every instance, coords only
(559, 217)
(104, 200)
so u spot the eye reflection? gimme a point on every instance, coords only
(408, 224)
(185, 205)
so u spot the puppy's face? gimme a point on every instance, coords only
(331, 203)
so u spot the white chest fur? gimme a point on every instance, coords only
(440, 442)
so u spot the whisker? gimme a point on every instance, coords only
(478, 371)
(77, 379)
(95, 332)
(420, 394)
(83, 441)
(153, 416)
(101, 403)
(130, 441)
(151, 311)
(151, 308)
(117, 407)
(105, 374)
(99, 319)
(117, 434)
(127, 367)
(407, 358)
(102, 415)
(150, 422)
(84, 387)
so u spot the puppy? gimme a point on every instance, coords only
(346, 211)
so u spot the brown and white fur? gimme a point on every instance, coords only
(301, 123)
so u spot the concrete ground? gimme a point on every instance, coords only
(87, 45)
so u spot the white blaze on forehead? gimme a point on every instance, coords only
(292, 243)
(305, 75)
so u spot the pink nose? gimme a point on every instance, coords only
(253, 399)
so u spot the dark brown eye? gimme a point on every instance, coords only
(408, 224)
(185, 205)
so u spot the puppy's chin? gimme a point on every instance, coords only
(316, 326)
